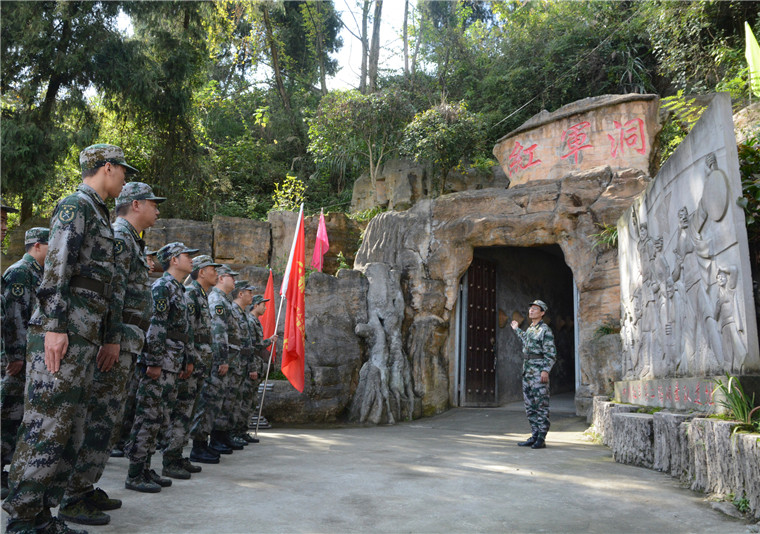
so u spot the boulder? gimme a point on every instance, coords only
(241, 241)
(668, 445)
(194, 234)
(633, 439)
(604, 411)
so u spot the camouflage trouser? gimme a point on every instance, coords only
(12, 408)
(231, 407)
(182, 416)
(210, 403)
(247, 397)
(155, 401)
(536, 396)
(52, 430)
(130, 402)
(104, 415)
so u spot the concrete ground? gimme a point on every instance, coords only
(457, 472)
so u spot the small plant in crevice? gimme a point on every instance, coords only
(736, 402)
(607, 238)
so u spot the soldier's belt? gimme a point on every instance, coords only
(538, 356)
(246, 352)
(176, 335)
(96, 286)
(203, 339)
(136, 320)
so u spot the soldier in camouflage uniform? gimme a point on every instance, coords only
(242, 298)
(204, 277)
(539, 355)
(214, 387)
(73, 327)
(256, 366)
(164, 356)
(136, 210)
(19, 287)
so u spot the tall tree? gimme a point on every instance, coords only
(374, 50)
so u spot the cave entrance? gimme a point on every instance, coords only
(497, 288)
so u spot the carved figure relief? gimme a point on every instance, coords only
(730, 320)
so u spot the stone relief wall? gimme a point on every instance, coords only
(614, 130)
(686, 293)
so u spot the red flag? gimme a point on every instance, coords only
(293, 350)
(322, 245)
(269, 319)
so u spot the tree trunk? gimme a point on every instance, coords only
(417, 44)
(275, 61)
(365, 48)
(374, 51)
(405, 34)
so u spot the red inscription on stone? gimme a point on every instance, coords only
(521, 158)
(576, 140)
(631, 134)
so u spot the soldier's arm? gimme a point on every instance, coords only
(155, 337)
(219, 334)
(119, 282)
(549, 350)
(17, 291)
(189, 352)
(66, 238)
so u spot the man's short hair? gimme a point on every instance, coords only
(122, 209)
(194, 274)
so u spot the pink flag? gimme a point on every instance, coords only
(321, 245)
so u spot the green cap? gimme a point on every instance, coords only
(258, 299)
(38, 234)
(540, 303)
(224, 269)
(95, 156)
(204, 260)
(241, 285)
(136, 191)
(172, 250)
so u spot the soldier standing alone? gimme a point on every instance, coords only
(539, 355)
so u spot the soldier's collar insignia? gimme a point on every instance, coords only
(17, 290)
(162, 305)
(219, 308)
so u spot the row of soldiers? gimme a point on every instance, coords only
(97, 359)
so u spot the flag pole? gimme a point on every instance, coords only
(277, 320)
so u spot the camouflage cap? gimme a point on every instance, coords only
(258, 299)
(540, 303)
(172, 250)
(241, 285)
(38, 234)
(204, 260)
(7, 209)
(136, 191)
(149, 252)
(224, 269)
(95, 156)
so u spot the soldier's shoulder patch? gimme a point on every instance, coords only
(191, 308)
(162, 305)
(119, 246)
(66, 213)
(17, 290)
(219, 309)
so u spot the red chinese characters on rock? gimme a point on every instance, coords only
(521, 158)
(630, 135)
(575, 140)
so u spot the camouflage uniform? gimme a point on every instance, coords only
(131, 295)
(539, 354)
(255, 365)
(165, 346)
(214, 388)
(74, 298)
(239, 348)
(20, 283)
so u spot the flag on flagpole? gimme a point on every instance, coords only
(293, 346)
(269, 319)
(322, 245)
(753, 60)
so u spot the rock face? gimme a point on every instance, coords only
(385, 393)
(401, 183)
(432, 245)
(241, 241)
(669, 442)
(194, 234)
(604, 412)
(615, 130)
(334, 354)
(633, 439)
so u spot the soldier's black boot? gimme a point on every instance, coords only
(217, 445)
(528, 442)
(225, 438)
(201, 454)
(540, 443)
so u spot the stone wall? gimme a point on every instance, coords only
(704, 454)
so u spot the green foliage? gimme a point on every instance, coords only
(607, 329)
(735, 401)
(741, 503)
(683, 114)
(749, 166)
(444, 135)
(607, 238)
(289, 194)
(342, 262)
(368, 214)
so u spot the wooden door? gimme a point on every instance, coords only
(480, 363)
